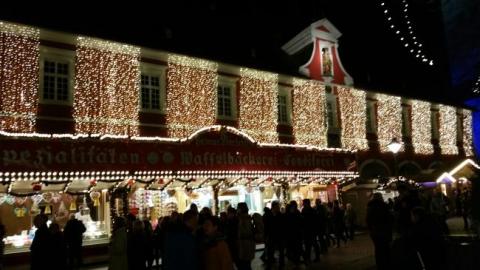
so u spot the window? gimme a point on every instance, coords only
(406, 132)
(226, 98)
(435, 124)
(371, 117)
(56, 73)
(152, 88)
(331, 110)
(151, 92)
(282, 109)
(224, 105)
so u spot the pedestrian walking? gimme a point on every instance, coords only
(379, 222)
(350, 221)
(117, 248)
(246, 238)
(214, 249)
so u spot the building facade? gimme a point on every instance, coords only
(99, 128)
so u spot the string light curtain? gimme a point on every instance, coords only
(448, 130)
(467, 133)
(258, 105)
(19, 68)
(353, 118)
(191, 95)
(309, 113)
(421, 127)
(389, 116)
(106, 88)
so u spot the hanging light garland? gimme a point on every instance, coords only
(467, 133)
(389, 117)
(476, 86)
(106, 87)
(19, 58)
(406, 36)
(421, 127)
(258, 105)
(309, 113)
(192, 95)
(448, 130)
(353, 118)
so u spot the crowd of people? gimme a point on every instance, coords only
(409, 231)
(201, 240)
(66, 244)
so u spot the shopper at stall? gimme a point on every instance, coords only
(309, 231)
(40, 248)
(246, 238)
(275, 236)
(294, 233)
(58, 247)
(350, 221)
(180, 245)
(321, 225)
(267, 217)
(338, 217)
(149, 243)
(159, 237)
(214, 250)
(2, 244)
(118, 246)
(231, 232)
(379, 223)
(439, 210)
(73, 232)
(137, 247)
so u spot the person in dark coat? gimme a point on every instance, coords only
(180, 246)
(309, 231)
(231, 231)
(214, 249)
(245, 238)
(275, 236)
(149, 243)
(338, 219)
(40, 248)
(117, 249)
(73, 233)
(425, 243)
(2, 244)
(58, 247)
(137, 243)
(321, 225)
(294, 227)
(350, 221)
(379, 223)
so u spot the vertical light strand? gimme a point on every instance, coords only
(421, 127)
(191, 95)
(389, 117)
(258, 105)
(19, 67)
(448, 130)
(106, 98)
(467, 133)
(309, 113)
(353, 118)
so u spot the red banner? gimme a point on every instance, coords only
(212, 150)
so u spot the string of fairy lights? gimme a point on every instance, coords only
(192, 95)
(467, 133)
(405, 31)
(258, 104)
(353, 120)
(309, 113)
(19, 68)
(106, 87)
(421, 127)
(447, 130)
(476, 86)
(389, 117)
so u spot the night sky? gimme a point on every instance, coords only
(251, 33)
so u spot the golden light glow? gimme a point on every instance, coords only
(258, 105)
(353, 118)
(467, 133)
(191, 95)
(448, 130)
(309, 126)
(19, 61)
(389, 116)
(106, 88)
(421, 127)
